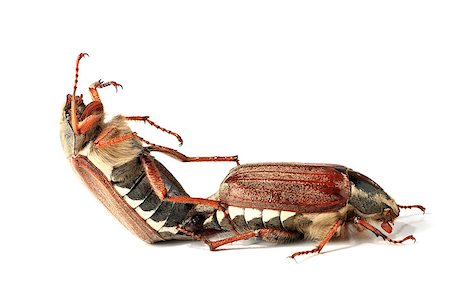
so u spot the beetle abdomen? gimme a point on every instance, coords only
(130, 182)
(162, 216)
(99, 184)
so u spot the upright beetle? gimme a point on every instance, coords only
(277, 202)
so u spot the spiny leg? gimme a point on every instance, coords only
(147, 119)
(100, 84)
(377, 232)
(195, 236)
(183, 158)
(267, 234)
(102, 142)
(77, 68)
(73, 104)
(157, 183)
(325, 240)
(412, 206)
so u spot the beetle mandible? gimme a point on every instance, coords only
(277, 202)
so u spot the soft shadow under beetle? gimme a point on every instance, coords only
(277, 202)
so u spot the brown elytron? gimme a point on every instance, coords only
(108, 196)
(286, 187)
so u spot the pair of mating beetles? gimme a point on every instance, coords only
(277, 202)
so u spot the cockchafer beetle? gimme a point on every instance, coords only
(277, 202)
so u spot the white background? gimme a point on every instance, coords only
(359, 83)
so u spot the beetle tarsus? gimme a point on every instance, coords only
(409, 237)
(77, 67)
(113, 83)
(315, 250)
(197, 237)
(378, 233)
(147, 119)
(100, 84)
(412, 206)
(325, 240)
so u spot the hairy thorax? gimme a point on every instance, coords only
(107, 157)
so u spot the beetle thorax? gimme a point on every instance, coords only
(371, 204)
(116, 154)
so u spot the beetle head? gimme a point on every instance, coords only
(370, 201)
(79, 123)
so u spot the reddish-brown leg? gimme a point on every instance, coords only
(92, 115)
(102, 140)
(91, 109)
(88, 122)
(412, 206)
(377, 232)
(198, 237)
(265, 234)
(325, 240)
(147, 119)
(159, 187)
(99, 84)
(181, 157)
(73, 104)
(190, 200)
(77, 68)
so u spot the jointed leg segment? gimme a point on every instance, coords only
(102, 142)
(181, 157)
(377, 232)
(157, 183)
(326, 239)
(267, 234)
(73, 104)
(77, 69)
(412, 206)
(100, 84)
(147, 119)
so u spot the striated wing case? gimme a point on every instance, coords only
(302, 188)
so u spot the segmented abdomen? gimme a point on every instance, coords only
(285, 196)
(132, 184)
(245, 219)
